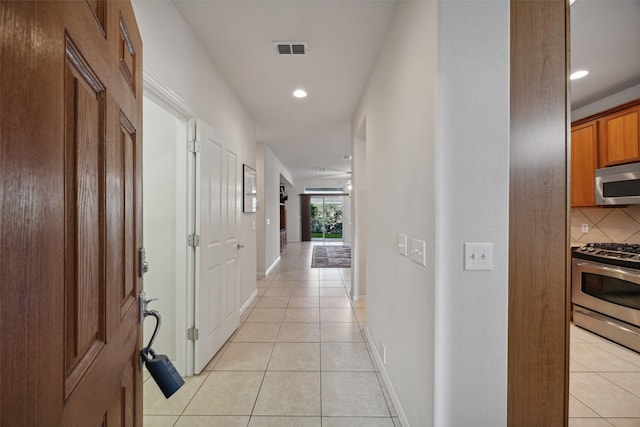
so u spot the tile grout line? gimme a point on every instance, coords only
(264, 375)
(320, 358)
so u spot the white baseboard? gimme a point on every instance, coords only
(272, 267)
(248, 302)
(358, 297)
(385, 377)
(269, 272)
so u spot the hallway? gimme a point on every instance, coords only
(299, 358)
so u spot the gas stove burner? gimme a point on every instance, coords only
(620, 247)
(622, 254)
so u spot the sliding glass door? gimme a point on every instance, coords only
(326, 218)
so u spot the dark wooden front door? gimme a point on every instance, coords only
(71, 213)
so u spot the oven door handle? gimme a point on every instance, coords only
(618, 272)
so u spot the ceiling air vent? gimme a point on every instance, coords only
(291, 48)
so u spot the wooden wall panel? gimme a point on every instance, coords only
(538, 244)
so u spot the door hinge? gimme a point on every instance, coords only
(194, 146)
(193, 240)
(193, 334)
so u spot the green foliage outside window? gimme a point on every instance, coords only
(332, 213)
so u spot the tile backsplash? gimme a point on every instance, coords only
(619, 225)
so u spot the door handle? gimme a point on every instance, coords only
(239, 246)
(143, 305)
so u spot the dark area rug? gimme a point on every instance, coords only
(331, 257)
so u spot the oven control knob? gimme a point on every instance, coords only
(591, 249)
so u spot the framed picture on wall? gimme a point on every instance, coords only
(249, 189)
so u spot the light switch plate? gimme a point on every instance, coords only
(402, 244)
(478, 256)
(418, 251)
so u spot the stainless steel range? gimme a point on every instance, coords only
(605, 291)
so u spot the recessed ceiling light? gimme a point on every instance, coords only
(300, 93)
(578, 74)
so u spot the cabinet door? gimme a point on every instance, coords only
(619, 138)
(583, 164)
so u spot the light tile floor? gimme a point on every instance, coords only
(604, 382)
(298, 359)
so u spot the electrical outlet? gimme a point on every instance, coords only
(585, 228)
(478, 256)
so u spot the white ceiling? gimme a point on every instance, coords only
(344, 39)
(605, 39)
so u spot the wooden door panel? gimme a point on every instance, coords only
(32, 352)
(84, 252)
(93, 398)
(114, 368)
(71, 218)
(127, 54)
(99, 9)
(122, 408)
(127, 142)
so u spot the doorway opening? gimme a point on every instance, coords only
(327, 218)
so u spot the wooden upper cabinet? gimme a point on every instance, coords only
(584, 161)
(619, 142)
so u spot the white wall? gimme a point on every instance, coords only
(611, 101)
(399, 105)
(359, 214)
(444, 154)
(161, 221)
(175, 56)
(292, 215)
(268, 169)
(472, 200)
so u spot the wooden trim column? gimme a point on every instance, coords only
(305, 217)
(538, 361)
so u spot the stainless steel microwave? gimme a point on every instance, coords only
(618, 185)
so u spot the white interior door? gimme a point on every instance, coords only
(217, 291)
